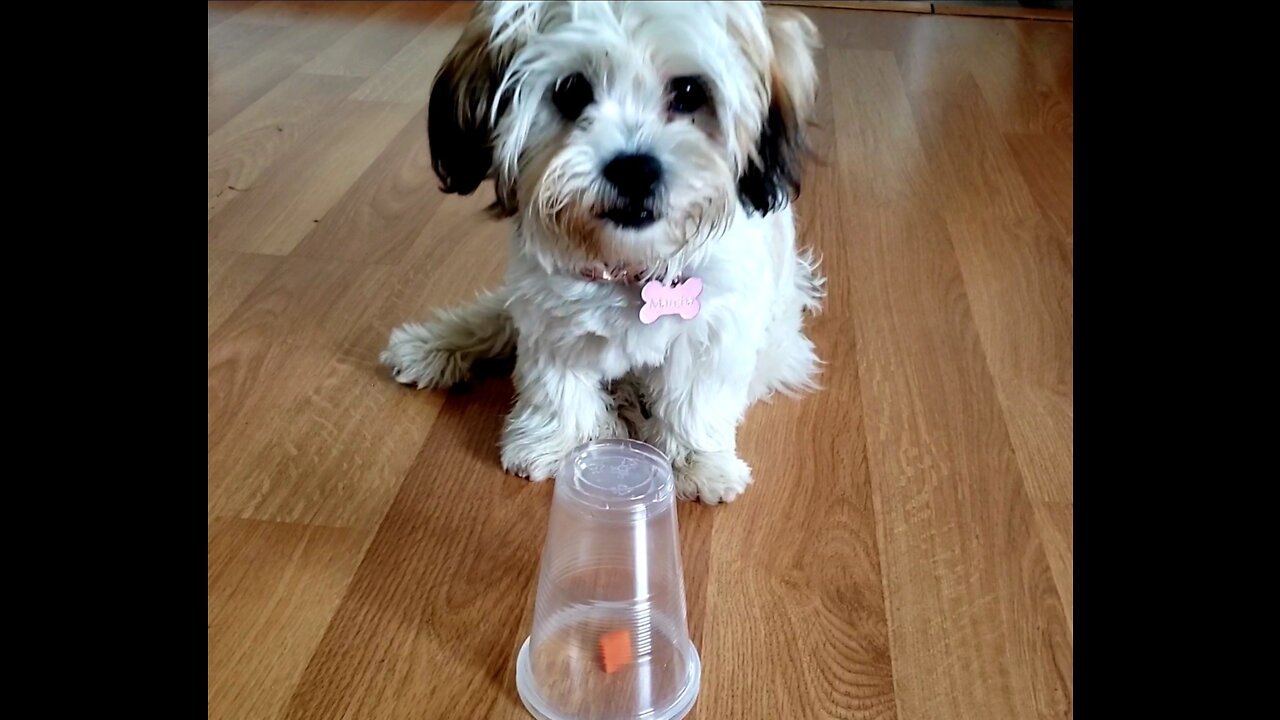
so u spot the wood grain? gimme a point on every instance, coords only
(221, 11)
(295, 193)
(1046, 164)
(366, 49)
(1029, 353)
(273, 588)
(906, 550)
(386, 209)
(978, 8)
(800, 608)
(965, 574)
(255, 73)
(1002, 10)
(968, 155)
(252, 141)
(292, 14)
(407, 76)
(910, 6)
(886, 162)
(1056, 528)
(260, 338)
(234, 43)
(232, 277)
(440, 639)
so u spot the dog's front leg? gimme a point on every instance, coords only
(697, 399)
(558, 407)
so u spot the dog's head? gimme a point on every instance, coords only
(625, 134)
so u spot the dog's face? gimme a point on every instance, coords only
(625, 134)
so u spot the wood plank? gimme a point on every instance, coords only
(234, 89)
(289, 439)
(221, 11)
(292, 306)
(1002, 10)
(1047, 165)
(884, 161)
(909, 6)
(886, 31)
(975, 173)
(795, 584)
(1057, 529)
(441, 603)
(232, 277)
(249, 143)
(292, 14)
(1009, 258)
(1048, 51)
(387, 208)
(407, 77)
(292, 195)
(453, 274)
(974, 615)
(234, 43)
(393, 419)
(329, 455)
(1023, 74)
(368, 47)
(1029, 353)
(272, 590)
(1022, 96)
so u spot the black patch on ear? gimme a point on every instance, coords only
(774, 180)
(462, 152)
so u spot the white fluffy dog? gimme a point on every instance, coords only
(649, 152)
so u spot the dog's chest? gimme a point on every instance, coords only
(624, 342)
(606, 334)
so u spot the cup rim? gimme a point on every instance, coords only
(639, 445)
(541, 710)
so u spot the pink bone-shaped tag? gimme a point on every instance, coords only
(681, 299)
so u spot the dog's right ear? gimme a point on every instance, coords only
(461, 113)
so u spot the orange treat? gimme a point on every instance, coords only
(615, 650)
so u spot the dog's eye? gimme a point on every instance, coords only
(572, 95)
(688, 95)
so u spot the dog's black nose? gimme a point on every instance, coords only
(634, 176)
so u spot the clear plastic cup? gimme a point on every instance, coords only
(609, 638)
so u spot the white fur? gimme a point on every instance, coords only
(586, 367)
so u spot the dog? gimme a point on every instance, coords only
(649, 154)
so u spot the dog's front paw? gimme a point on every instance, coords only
(416, 356)
(534, 446)
(711, 478)
(532, 461)
(533, 443)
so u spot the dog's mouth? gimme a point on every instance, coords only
(631, 215)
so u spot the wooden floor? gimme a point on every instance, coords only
(906, 549)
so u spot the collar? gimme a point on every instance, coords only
(615, 275)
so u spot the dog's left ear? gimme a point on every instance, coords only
(772, 178)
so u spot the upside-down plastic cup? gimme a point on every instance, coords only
(610, 640)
